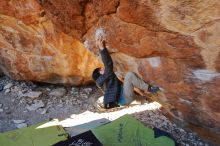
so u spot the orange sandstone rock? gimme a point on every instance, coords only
(173, 44)
(38, 53)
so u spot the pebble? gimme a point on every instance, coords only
(49, 102)
(6, 108)
(29, 101)
(8, 112)
(67, 102)
(1, 105)
(7, 90)
(18, 121)
(22, 125)
(1, 110)
(78, 102)
(19, 94)
(84, 96)
(33, 94)
(74, 91)
(59, 92)
(60, 105)
(15, 89)
(42, 111)
(25, 111)
(23, 101)
(181, 130)
(88, 90)
(8, 86)
(38, 104)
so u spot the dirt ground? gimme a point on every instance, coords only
(24, 103)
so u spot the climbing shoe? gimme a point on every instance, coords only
(111, 105)
(153, 89)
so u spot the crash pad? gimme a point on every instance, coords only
(33, 136)
(127, 131)
(84, 139)
(78, 129)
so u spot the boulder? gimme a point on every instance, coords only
(33, 48)
(172, 44)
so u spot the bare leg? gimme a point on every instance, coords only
(131, 81)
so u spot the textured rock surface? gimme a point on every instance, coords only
(174, 44)
(32, 48)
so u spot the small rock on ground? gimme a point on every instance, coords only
(36, 105)
(7, 90)
(59, 92)
(33, 94)
(22, 125)
(18, 121)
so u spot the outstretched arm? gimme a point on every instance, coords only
(106, 58)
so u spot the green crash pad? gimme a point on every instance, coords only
(33, 136)
(127, 131)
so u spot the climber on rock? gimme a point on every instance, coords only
(117, 93)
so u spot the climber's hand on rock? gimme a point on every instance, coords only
(100, 42)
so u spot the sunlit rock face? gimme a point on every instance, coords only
(32, 48)
(173, 44)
